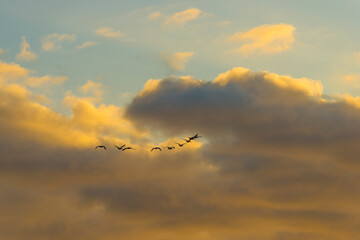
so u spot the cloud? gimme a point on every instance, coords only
(351, 78)
(276, 137)
(107, 32)
(39, 81)
(176, 61)
(53, 42)
(25, 54)
(154, 15)
(93, 88)
(224, 23)
(83, 128)
(87, 44)
(276, 161)
(268, 113)
(14, 73)
(181, 18)
(265, 39)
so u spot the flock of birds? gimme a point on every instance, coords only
(123, 148)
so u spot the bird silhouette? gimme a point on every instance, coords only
(128, 148)
(194, 137)
(187, 140)
(154, 148)
(180, 145)
(120, 148)
(100, 146)
(170, 148)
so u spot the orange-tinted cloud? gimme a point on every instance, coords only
(265, 39)
(274, 162)
(11, 72)
(108, 32)
(181, 18)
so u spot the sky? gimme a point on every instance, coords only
(272, 88)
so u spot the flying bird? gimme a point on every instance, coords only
(120, 148)
(170, 148)
(128, 148)
(187, 140)
(100, 146)
(194, 137)
(154, 148)
(180, 145)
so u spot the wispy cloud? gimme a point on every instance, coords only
(265, 39)
(87, 44)
(351, 78)
(25, 53)
(181, 18)
(108, 32)
(176, 61)
(14, 73)
(154, 15)
(224, 23)
(45, 80)
(53, 42)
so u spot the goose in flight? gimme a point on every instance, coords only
(100, 146)
(187, 140)
(128, 148)
(180, 145)
(170, 148)
(194, 137)
(120, 148)
(154, 148)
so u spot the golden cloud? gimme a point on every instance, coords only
(273, 162)
(181, 18)
(11, 72)
(109, 33)
(265, 39)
